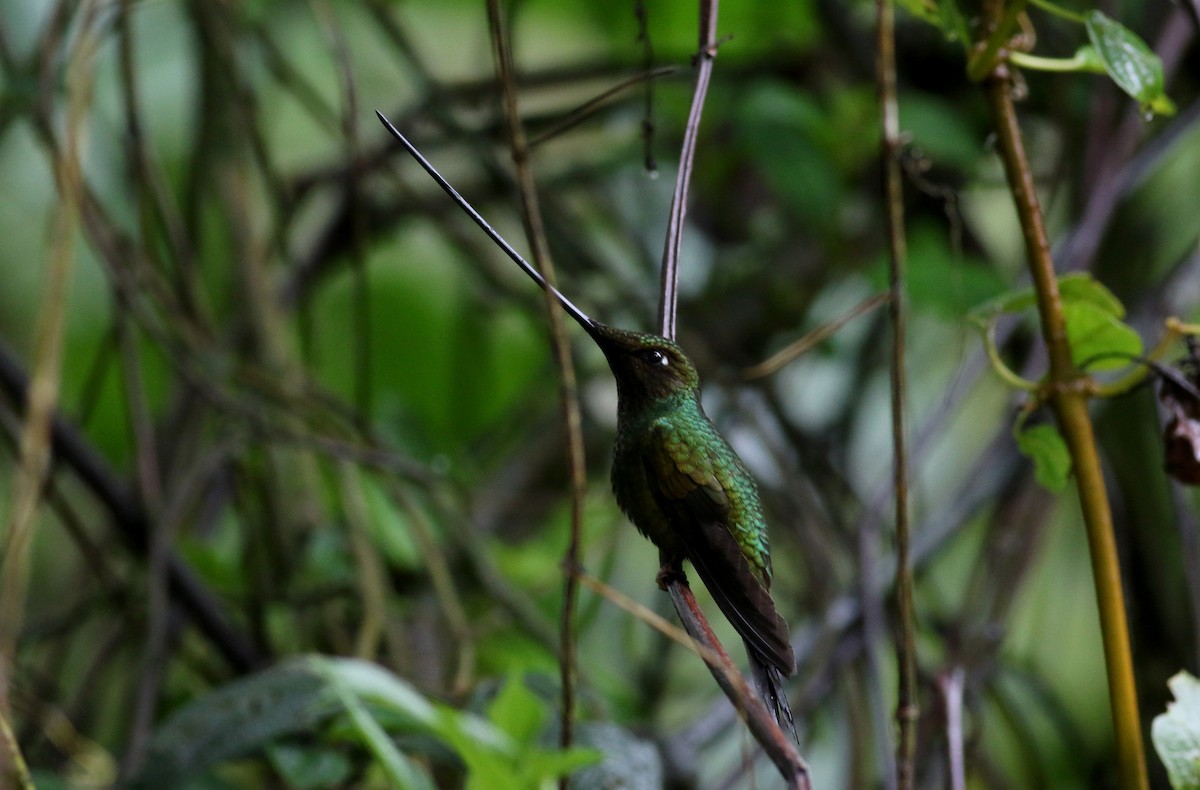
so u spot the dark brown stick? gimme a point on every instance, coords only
(535, 234)
(907, 710)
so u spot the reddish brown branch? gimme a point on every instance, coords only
(750, 708)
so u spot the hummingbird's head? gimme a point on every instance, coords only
(647, 367)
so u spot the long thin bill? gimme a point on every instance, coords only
(580, 316)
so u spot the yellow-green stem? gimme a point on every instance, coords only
(1069, 398)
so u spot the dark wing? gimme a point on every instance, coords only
(689, 494)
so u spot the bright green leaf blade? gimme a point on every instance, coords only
(1014, 301)
(1051, 460)
(518, 711)
(951, 22)
(1075, 287)
(375, 684)
(1098, 340)
(488, 767)
(541, 765)
(1130, 63)
(922, 9)
(1082, 287)
(1176, 733)
(1089, 59)
(943, 14)
(401, 773)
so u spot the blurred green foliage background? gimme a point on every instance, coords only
(325, 399)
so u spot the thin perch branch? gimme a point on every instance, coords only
(535, 234)
(907, 710)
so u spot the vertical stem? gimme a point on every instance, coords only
(907, 710)
(705, 54)
(531, 215)
(1070, 407)
(42, 394)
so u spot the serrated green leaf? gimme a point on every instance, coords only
(1176, 733)
(1131, 64)
(1051, 459)
(1098, 340)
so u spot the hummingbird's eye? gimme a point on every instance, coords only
(652, 356)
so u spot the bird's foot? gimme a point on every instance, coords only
(668, 574)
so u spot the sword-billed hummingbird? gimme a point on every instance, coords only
(678, 480)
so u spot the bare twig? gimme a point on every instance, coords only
(444, 588)
(536, 237)
(129, 518)
(12, 767)
(35, 445)
(589, 108)
(814, 338)
(354, 206)
(707, 52)
(372, 579)
(639, 11)
(907, 710)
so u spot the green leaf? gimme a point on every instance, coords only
(236, 720)
(1176, 733)
(401, 773)
(1082, 287)
(518, 711)
(1078, 287)
(300, 696)
(942, 14)
(311, 767)
(545, 763)
(942, 281)
(1014, 301)
(782, 133)
(1098, 340)
(1130, 63)
(1051, 460)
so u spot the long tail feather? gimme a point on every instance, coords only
(769, 681)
